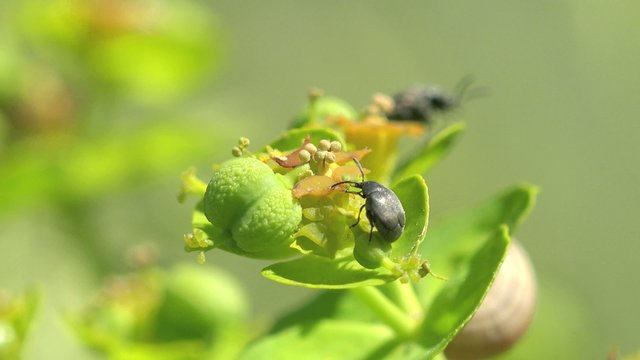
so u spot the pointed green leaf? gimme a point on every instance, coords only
(459, 235)
(320, 272)
(414, 196)
(432, 152)
(462, 294)
(292, 139)
(452, 241)
(324, 339)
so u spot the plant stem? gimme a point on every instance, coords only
(405, 296)
(387, 310)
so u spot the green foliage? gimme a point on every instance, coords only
(16, 315)
(438, 327)
(377, 306)
(432, 151)
(187, 312)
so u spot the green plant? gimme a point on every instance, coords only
(377, 304)
(185, 312)
(16, 315)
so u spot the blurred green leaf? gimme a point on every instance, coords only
(432, 152)
(321, 108)
(462, 294)
(154, 67)
(322, 339)
(40, 172)
(16, 315)
(188, 312)
(182, 350)
(198, 302)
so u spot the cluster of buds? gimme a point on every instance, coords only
(243, 145)
(324, 152)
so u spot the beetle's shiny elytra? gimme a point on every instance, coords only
(384, 209)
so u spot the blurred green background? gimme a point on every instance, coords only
(104, 103)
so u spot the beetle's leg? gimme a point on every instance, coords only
(370, 233)
(359, 213)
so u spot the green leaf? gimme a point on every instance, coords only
(16, 315)
(336, 304)
(457, 236)
(432, 152)
(414, 195)
(172, 62)
(457, 301)
(324, 339)
(449, 304)
(453, 240)
(292, 139)
(333, 309)
(324, 273)
(197, 302)
(95, 167)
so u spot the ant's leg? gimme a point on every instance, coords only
(359, 213)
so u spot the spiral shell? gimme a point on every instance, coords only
(505, 313)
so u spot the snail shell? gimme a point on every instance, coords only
(505, 313)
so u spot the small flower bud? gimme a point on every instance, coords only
(201, 258)
(243, 142)
(324, 145)
(236, 151)
(335, 146)
(310, 148)
(304, 156)
(319, 156)
(330, 157)
(315, 93)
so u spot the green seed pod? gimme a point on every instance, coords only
(248, 202)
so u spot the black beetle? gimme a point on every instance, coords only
(420, 103)
(384, 209)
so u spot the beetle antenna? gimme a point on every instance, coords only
(343, 182)
(359, 167)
